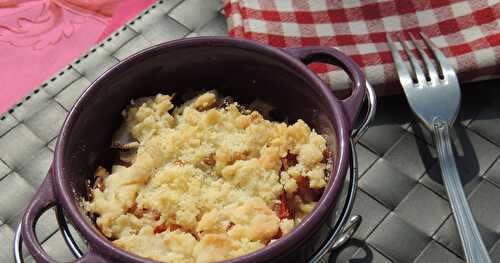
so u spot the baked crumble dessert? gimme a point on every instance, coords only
(206, 181)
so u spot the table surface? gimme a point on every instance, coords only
(406, 215)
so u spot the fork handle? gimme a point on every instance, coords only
(475, 251)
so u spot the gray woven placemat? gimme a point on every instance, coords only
(406, 217)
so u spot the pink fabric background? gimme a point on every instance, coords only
(127, 10)
(39, 37)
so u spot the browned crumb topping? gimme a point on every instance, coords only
(206, 182)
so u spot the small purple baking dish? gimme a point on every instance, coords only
(242, 69)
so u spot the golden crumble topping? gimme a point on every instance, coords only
(206, 182)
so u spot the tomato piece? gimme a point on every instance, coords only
(288, 161)
(327, 155)
(210, 159)
(173, 227)
(156, 214)
(160, 228)
(163, 227)
(137, 212)
(307, 193)
(279, 234)
(283, 212)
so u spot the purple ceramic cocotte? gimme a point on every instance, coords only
(242, 69)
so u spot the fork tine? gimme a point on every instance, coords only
(414, 63)
(446, 69)
(433, 75)
(403, 74)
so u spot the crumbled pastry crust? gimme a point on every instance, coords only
(207, 183)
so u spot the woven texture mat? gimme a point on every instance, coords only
(406, 215)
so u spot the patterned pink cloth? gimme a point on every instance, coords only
(125, 12)
(468, 32)
(39, 37)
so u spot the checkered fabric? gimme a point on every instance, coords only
(466, 31)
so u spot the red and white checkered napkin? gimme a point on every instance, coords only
(468, 32)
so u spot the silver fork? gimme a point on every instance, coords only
(435, 100)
